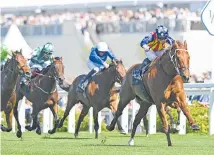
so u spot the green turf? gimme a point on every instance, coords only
(115, 144)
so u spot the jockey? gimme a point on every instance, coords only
(96, 61)
(41, 58)
(155, 45)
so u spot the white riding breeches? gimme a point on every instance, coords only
(96, 67)
(151, 55)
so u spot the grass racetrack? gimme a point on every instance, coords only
(109, 143)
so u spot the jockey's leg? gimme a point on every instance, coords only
(159, 53)
(145, 65)
(83, 81)
(151, 55)
(94, 69)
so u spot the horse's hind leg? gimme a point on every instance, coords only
(168, 111)
(146, 125)
(96, 124)
(84, 112)
(162, 113)
(54, 109)
(144, 106)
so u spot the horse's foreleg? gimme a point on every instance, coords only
(9, 116)
(181, 99)
(141, 113)
(162, 113)
(84, 112)
(54, 110)
(96, 124)
(15, 112)
(122, 104)
(120, 128)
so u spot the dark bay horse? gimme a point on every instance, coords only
(43, 94)
(161, 85)
(97, 93)
(15, 66)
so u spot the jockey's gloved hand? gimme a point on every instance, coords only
(106, 65)
(146, 47)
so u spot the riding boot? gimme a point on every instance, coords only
(145, 66)
(83, 81)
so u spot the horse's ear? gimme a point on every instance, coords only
(60, 58)
(13, 53)
(176, 44)
(21, 50)
(115, 63)
(185, 44)
(121, 61)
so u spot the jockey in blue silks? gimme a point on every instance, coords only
(97, 61)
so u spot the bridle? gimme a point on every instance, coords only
(174, 60)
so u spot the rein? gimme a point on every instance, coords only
(173, 59)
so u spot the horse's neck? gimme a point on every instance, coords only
(110, 78)
(167, 65)
(46, 81)
(9, 75)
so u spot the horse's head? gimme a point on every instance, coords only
(58, 68)
(120, 70)
(182, 60)
(20, 62)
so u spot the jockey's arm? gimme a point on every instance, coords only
(145, 41)
(170, 41)
(95, 58)
(111, 55)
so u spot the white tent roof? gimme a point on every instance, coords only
(15, 41)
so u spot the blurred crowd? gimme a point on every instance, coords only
(125, 15)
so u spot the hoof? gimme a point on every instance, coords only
(19, 134)
(131, 142)
(109, 128)
(3, 128)
(169, 144)
(76, 135)
(51, 131)
(122, 132)
(9, 129)
(147, 135)
(28, 128)
(38, 131)
(195, 127)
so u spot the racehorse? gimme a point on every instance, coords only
(96, 95)
(15, 66)
(43, 94)
(162, 85)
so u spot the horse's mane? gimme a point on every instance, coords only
(45, 70)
